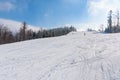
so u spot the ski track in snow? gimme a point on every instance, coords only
(94, 56)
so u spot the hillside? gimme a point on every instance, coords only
(15, 25)
(95, 56)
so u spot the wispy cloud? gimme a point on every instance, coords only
(18, 5)
(71, 1)
(6, 6)
(46, 15)
(22, 4)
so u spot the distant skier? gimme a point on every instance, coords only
(84, 33)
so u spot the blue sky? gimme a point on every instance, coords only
(53, 13)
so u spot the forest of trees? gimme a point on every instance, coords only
(6, 36)
(113, 23)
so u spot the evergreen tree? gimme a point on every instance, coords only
(110, 21)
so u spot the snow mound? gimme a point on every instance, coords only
(76, 56)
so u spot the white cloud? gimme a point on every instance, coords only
(82, 26)
(98, 9)
(6, 6)
(85, 26)
(98, 6)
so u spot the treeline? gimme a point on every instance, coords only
(6, 36)
(113, 23)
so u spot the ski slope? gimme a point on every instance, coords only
(95, 56)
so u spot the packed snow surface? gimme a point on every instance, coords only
(93, 56)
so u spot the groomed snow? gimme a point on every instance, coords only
(95, 56)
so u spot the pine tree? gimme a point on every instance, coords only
(110, 21)
(23, 31)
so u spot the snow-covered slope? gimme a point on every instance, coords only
(15, 26)
(94, 56)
